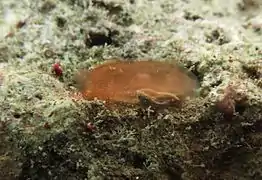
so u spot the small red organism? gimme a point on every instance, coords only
(57, 69)
(90, 127)
(47, 125)
(227, 105)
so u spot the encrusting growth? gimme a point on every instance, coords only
(147, 83)
(227, 104)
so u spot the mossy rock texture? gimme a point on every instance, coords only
(48, 133)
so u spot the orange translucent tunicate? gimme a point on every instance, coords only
(135, 82)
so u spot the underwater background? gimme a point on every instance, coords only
(49, 130)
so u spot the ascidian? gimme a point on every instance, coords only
(145, 83)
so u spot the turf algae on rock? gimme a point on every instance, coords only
(44, 129)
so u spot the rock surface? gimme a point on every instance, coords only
(46, 133)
